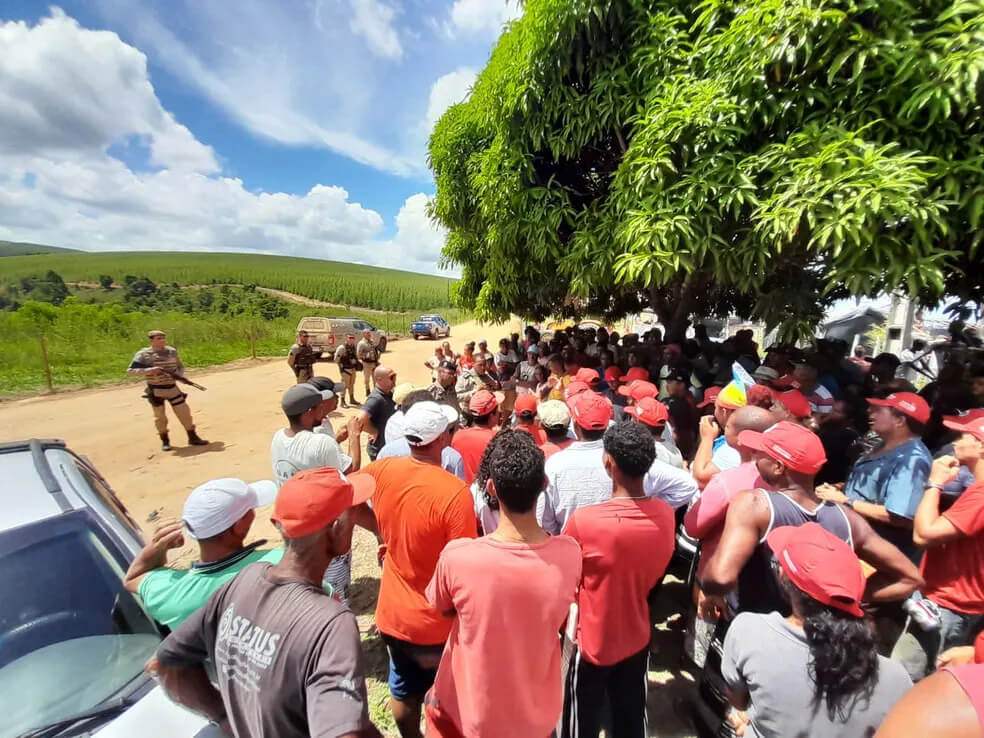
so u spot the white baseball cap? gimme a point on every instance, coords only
(426, 421)
(554, 414)
(216, 506)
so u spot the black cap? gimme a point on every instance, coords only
(678, 375)
(449, 365)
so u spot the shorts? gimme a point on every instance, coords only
(407, 678)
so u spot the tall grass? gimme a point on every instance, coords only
(93, 344)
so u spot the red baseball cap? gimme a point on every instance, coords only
(908, 403)
(575, 388)
(313, 499)
(484, 402)
(525, 405)
(637, 389)
(589, 376)
(710, 395)
(613, 374)
(796, 402)
(650, 411)
(637, 372)
(786, 381)
(590, 410)
(972, 423)
(788, 443)
(820, 564)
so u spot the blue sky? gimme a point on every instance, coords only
(280, 126)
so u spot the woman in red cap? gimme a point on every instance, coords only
(816, 672)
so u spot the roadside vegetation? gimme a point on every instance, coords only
(91, 333)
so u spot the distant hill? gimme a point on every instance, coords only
(329, 281)
(16, 248)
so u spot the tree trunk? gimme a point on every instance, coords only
(675, 313)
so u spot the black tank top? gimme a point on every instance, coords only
(758, 585)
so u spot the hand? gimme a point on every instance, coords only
(155, 371)
(169, 534)
(944, 470)
(738, 720)
(381, 554)
(709, 429)
(830, 493)
(710, 607)
(957, 656)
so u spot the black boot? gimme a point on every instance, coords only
(165, 442)
(194, 440)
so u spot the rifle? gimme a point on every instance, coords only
(173, 375)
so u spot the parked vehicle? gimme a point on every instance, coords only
(327, 334)
(430, 326)
(73, 640)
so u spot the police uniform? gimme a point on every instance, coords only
(162, 388)
(301, 359)
(348, 365)
(368, 354)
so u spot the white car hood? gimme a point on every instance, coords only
(156, 716)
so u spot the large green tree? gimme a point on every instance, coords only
(762, 157)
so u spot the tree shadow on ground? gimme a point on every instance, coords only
(362, 595)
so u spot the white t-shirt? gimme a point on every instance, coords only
(576, 477)
(304, 450)
(671, 484)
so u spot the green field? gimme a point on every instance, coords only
(345, 284)
(17, 248)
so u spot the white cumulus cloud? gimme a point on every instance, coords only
(482, 16)
(69, 96)
(373, 20)
(448, 90)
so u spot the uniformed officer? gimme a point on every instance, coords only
(158, 364)
(302, 357)
(368, 354)
(348, 364)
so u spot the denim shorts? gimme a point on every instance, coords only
(407, 678)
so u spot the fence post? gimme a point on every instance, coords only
(47, 366)
(252, 341)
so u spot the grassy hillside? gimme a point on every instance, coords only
(16, 248)
(346, 284)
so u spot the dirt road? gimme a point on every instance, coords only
(239, 414)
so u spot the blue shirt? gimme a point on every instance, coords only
(451, 460)
(897, 480)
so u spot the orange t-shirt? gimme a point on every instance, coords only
(419, 508)
(539, 436)
(471, 444)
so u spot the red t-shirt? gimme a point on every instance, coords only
(954, 571)
(500, 672)
(419, 508)
(471, 444)
(538, 435)
(626, 545)
(549, 448)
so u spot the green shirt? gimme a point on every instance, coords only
(171, 595)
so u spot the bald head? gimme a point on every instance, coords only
(750, 418)
(384, 378)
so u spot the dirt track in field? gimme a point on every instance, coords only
(239, 413)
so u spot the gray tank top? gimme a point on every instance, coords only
(758, 586)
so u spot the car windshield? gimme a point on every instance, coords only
(71, 637)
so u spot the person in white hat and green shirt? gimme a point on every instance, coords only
(218, 515)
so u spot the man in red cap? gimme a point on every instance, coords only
(589, 376)
(471, 442)
(576, 476)
(791, 405)
(286, 654)
(887, 484)
(526, 419)
(654, 415)
(419, 508)
(953, 565)
(816, 672)
(788, 456)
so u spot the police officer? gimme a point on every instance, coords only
(158, 364)
(368, 354)
(349, 366)
(301, 358)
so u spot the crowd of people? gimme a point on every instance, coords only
(527, 505)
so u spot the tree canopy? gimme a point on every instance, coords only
(763, 158)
